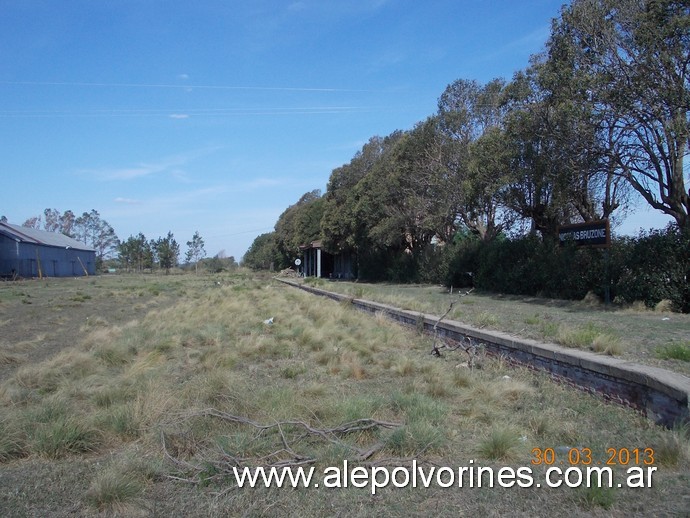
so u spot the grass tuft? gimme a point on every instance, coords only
(12, 441)
(595, 496)
(415, 439)
(64, 436)
(589, 337)
(673, 447)
(674, 351)
(500, 444)
(115, 491)
(485, 319)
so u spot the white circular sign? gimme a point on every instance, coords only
(298, 262)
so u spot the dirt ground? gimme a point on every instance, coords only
(39, 318)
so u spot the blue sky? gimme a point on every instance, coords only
(216, 115)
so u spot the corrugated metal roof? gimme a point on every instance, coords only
(32, 235)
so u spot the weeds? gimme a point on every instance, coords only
(589, 337)
(192, 387)
(63, 436)
(116, 489)
(674, 351)
(595, 496)
(485, 319)
(500, 444)
(12, 441)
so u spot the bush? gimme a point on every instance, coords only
(652, 267)
(655, 267)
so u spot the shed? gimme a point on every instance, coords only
(319, 263)
(27, 252)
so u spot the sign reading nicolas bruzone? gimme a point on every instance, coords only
(595, 233)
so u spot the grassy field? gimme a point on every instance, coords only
(658, 338)
(136, 395)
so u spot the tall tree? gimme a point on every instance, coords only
(539, 189)
(167, 252)
(635, 58)
(263, 253)
(91, 229)
(298, 225)
(195, 250)
(135, 253)
(342, 229)
(471, 120)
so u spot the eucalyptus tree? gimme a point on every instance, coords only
(93, 230)
(541, 183)
(298, 225)
(393, 208)
(472, 158)
(53, 221)
(633, 57)
(345, 218)
(263, 253)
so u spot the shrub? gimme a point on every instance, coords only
(653, 267)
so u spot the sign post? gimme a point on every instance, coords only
(594, 234)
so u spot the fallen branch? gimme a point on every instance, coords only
(436, 350)
(289, 434)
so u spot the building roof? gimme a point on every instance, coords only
(41, 237)
(313, 244)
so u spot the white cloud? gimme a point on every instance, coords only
(128, 201)
(179, 116)
(171, 165)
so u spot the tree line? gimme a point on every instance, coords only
(136, 253)
(597, 120)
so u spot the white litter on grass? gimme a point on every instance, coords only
(666, 318)
(269, 321)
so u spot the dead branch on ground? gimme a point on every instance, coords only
(438, 343)
(287, 435)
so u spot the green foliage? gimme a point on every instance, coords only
(195, 250)
(500, 444)
(263, 254)
(675, 351)
(627, 58)
(298, 225)
(167, 251)
(652, 267)
(135, 253)
(63, 436)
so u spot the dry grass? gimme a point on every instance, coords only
(632, 332)
(110, 399)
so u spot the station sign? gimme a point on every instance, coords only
(592, 234)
